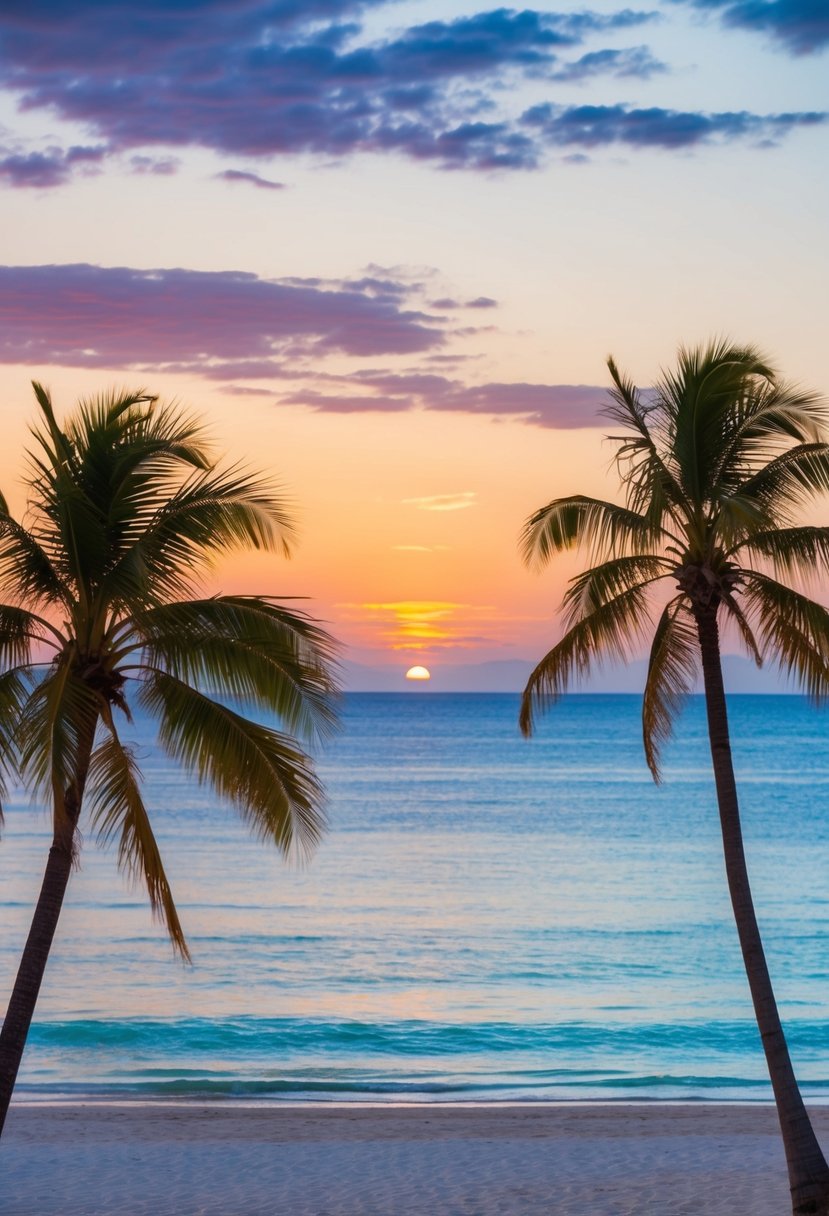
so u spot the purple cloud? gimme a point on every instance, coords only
(252, 179)
(547, 405)
(447, 304)
(230, 327)
(800, 26)
(635, 61)
(598, 126)
(159, 166)
(261, 78)
(44, 170)
(90, 316)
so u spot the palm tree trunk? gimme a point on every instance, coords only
(808, 1170)
(32, 966)
(44, 922)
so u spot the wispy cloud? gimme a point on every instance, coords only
(421, 624)
(633, 61)
(443, 502)
(799, 26)
(250, 179)
(158, 166)
(43, 170)
(593, 126)
(420, 548)
(554, 405)
(447, 304)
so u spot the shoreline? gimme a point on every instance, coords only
(225, 1102)
(523, 1159)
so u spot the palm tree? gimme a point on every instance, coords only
(717, 462)
(126, 512)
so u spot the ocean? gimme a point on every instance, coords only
(487, 919)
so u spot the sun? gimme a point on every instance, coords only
(418, 673)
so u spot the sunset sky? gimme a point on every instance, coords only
(385, 249)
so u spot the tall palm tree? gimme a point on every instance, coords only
(717, 462)
(126, 511)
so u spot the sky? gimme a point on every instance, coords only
(385, 250)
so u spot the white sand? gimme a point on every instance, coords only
(228, 1160)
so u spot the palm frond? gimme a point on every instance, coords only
(56, 447)
(214, 512)
(593, 588)
(19, 630)
(702, 400)
(786, 483)
(747, 636)
(734, 516)
(792, 627)
(101, 482)
(56, 728)
(611, 631)
(802, 552)
(260, 771)
(14, 687)
(672, 673)
(766, 419)
(118, 813)
(603, 528)
(26, 569)
(652, 485)
(134, 453)
(252, 649)
(72, 526)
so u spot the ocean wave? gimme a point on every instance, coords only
(318, 1059)
(410, 1037)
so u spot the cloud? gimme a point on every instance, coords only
(443, 502)
(267, 77)
(252, 179)
(438, 624)
(559, 405)
(603, 126)
(47, 169)
(159, 166)
(447, 304)
(264, 78)
(352, 403)
(229, 322)
(233, 327)
(635, 61)
(421, 548)
(548, 405)
(800, 26)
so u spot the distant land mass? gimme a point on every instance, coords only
(510, 675)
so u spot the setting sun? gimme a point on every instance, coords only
(418, 673)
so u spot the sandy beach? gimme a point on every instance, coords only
(606, 1160)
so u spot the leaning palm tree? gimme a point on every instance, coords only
(717, 462)
(126, 511)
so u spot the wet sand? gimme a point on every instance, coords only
(426, 1160)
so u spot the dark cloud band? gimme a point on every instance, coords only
(262, 78)
(232, 326)
(90, 316)
(602, 126)
(800, 26)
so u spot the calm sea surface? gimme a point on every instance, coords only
(487, 918)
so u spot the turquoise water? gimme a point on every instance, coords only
(487, 918)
